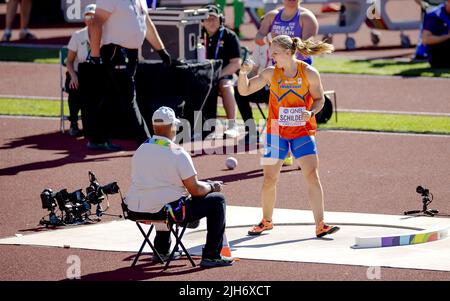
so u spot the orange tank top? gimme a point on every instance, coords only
(288, 98)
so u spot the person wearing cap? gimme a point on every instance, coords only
(78, 52)
(117, 32)
(222, 43)
(164, 176)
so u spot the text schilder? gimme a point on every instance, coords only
(291, 116)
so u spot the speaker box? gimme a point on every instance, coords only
(179, 30)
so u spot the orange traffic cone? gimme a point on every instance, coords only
(226, 250)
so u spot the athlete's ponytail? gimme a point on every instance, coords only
(306, 48)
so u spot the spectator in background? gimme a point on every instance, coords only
(118, 31)
(25, 12)
(79, 50)
(436, 35)
(278, 22)
(238, 15)
(425, 6)
(222, 43)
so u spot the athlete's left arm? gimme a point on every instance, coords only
(309, 23)
(316, 91)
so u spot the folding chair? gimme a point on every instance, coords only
(62, 63)
(178, 236)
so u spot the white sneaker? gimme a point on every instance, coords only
(232, 131)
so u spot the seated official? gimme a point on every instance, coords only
(222, 43)
(164, 180)
(436, 35)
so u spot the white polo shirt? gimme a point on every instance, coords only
(79, 43)
(126, 25)
(157, 174)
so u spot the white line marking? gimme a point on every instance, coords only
(385, 133)
(394, 112)
(30, 97)
(28, 117)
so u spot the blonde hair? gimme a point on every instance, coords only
(306, 48)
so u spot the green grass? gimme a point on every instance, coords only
(380, 122)
(325, 64)
(24, 54)
(331, 64)
(389, 123)
(346, 121)
(31, 107)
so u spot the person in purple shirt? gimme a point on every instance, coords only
(436, 35)
(291, 20)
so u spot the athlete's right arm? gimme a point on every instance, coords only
(248, 86)
(264, 27)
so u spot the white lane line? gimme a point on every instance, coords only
(393, 112)
(28, 117)
(30, 97)
(385, 133)
(422, 78)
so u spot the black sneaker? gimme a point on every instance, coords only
(106, 146)
(27, 36)
(222, 261)
(165, 257)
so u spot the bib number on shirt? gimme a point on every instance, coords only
(291, 116)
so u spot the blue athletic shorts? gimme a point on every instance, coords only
(277, 147)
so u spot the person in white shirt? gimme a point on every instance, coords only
(118, 30)
(165, 185)
(78, 52)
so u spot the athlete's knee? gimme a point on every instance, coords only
(311, 175)
(270, 180)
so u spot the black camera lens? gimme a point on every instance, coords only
(110, 188)
(419, 189)
(61, 198)
(422, 191)
(47, 199)
(76, 196)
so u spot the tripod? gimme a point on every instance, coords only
(425, 193)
